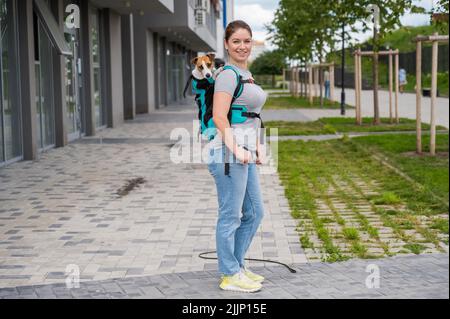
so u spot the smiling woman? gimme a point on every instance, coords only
(237, 182)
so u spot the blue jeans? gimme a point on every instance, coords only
(327, 89)
(241, 209)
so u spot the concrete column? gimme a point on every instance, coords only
(163, 75)
(27, 79)
(113, 68)
(140, 58)
(87, 69)
(59, 76)
(157, 66)
(128, 67)
(151, 70)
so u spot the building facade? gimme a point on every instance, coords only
(259, 47)
(70, 68)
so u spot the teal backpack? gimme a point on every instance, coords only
(204, 93)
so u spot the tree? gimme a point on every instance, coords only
(439, 16)
(305, 29)
(269, 63)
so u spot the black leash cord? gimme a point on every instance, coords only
(263, 260)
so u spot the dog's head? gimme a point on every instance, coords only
(204, 66)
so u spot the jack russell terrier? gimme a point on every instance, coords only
(204, 67)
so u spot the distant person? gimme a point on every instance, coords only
(326, 76)
(402, 79)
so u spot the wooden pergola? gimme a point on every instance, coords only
(314, 79)
(358, 81)
(296, 82)
(435, 39)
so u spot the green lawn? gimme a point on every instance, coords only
(290, 102)
(431, 172)
(342, 125)
(349, 204)
(426, 83)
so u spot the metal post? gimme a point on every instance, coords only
(434, 66)
(419, 97)
(343, 71)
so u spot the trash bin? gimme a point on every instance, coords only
(427, 92)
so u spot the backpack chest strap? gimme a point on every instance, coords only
(253, 115)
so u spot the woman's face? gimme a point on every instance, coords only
(239, 45)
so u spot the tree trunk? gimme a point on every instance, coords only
(321, 83)
(376, 109)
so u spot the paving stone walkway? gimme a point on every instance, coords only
(61, 216)
(62, 211)
(411, 277)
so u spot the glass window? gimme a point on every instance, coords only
(100, 114)
(44, 88)
(10, 127)
(74, 111)
(71, 89)
(51, 26)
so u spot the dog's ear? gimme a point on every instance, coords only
(211, 56)
(194, 61)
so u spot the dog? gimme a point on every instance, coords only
(207, 66)
(204, 67)
(205, 70)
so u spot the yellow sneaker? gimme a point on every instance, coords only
(253, 276)
(239, 282)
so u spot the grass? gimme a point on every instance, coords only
(441, 225)
(415, 248)
(430, 172)
(291, 102)
(442, 83)
(334, 125)
(306, 243)
(387, 198)
(308, 169)
(351, 233)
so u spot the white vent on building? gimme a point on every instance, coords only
(202, 7)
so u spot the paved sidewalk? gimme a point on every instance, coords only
(62, 210)
(412, 277)
(61, 215)
(406, 104)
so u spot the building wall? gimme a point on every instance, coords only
(140, 59)
(116, 78)
(143, 55)
(128, 67)
(150, 71)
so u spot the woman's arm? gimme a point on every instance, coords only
(222, 104)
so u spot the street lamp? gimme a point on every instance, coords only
(343, 70)
(343, 65)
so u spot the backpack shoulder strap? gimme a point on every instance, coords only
(240, 86)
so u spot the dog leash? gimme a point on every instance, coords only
(202, 255)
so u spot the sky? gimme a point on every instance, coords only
(259, 12)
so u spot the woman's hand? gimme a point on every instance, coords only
(243, 155)
(261, 155)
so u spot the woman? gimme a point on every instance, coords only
(239, 196)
